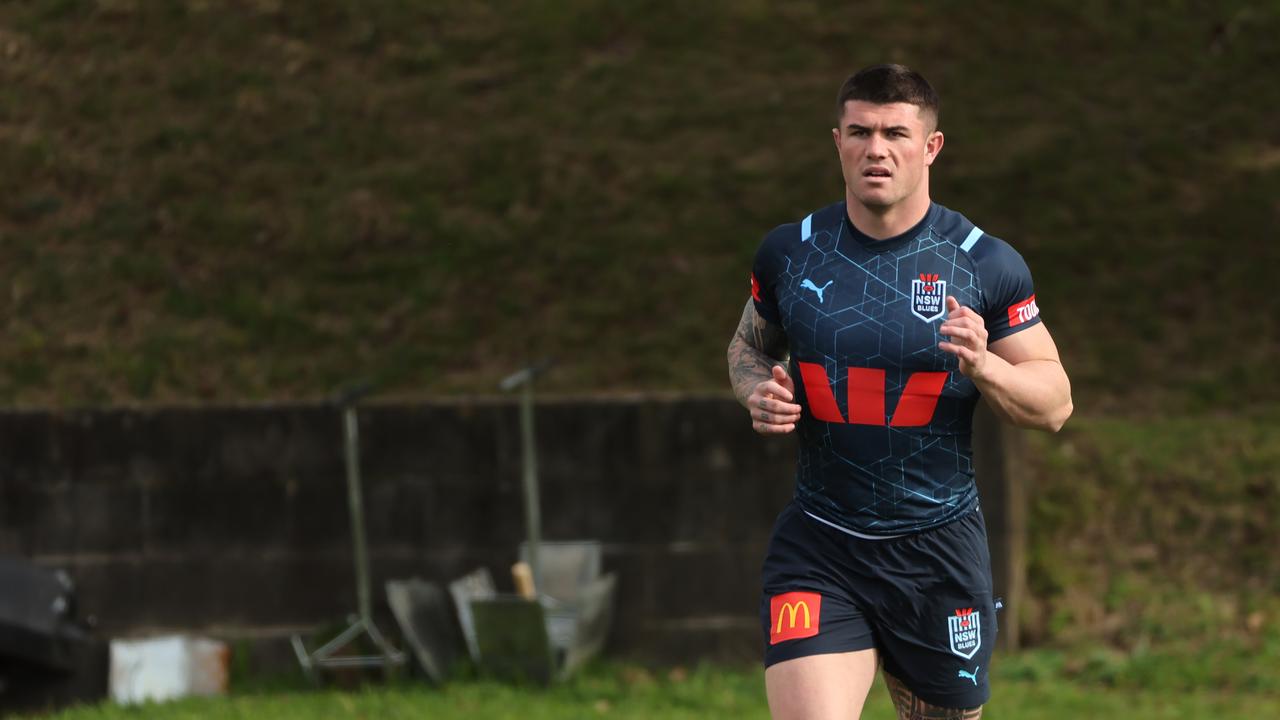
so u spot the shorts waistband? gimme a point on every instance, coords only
(847, 531)
(975, 510)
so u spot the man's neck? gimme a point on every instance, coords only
(886, 222)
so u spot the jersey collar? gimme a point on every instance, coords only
(891, 243)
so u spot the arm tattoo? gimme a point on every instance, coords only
(756, 346)
(911, 707)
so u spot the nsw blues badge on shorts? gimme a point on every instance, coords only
(965, 630)
(927, 294)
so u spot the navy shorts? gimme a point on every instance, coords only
(922, 600)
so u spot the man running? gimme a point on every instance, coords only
(873, 326)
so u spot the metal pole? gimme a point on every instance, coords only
(356, 503)
(532, 513)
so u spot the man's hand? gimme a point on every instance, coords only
(772, 412)
(968, 338)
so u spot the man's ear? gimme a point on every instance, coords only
(932, 146)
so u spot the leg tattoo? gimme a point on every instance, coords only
(911, 707)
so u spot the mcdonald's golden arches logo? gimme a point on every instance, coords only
(794, 615)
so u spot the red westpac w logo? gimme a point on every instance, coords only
(866, 396)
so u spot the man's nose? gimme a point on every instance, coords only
(875, 147)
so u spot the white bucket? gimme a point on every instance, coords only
(167, 668)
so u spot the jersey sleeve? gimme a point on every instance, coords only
(765, 273)
(1009, 298)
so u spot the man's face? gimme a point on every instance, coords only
(884, 150)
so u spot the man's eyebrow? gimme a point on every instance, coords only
(891, 128)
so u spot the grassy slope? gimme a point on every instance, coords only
(1152, 555)
(212, 200)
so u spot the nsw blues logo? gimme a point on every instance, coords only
(965, 630)
(927, 295)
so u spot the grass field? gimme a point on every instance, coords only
(1022, 692)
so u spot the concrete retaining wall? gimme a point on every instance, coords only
(233, 520)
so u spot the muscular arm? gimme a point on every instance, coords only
(756, 347)
(757, 354)
(1020, 375)
(1024, 381)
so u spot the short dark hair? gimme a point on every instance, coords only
(884, 84)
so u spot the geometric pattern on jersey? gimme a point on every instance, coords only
(869, 460)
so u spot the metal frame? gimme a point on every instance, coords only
(326, 657)
(523, 379)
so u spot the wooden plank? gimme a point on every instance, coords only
(1000, 466)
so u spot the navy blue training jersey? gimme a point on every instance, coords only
(887, 415)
